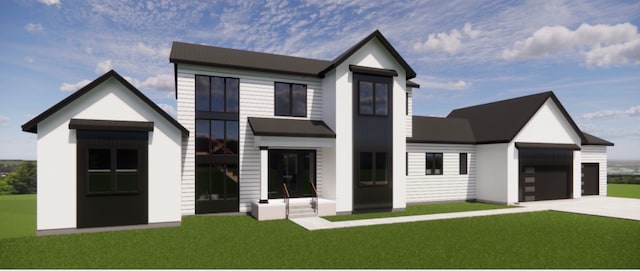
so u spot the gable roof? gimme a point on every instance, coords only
(594, 140)
(232, 58)
(441, 130)
(32, 125)
(500, 122)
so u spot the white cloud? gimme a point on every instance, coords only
(104, 66)
(75, 86)
(29, 60)
(162, 82)
(33, 27)
(51, 2)
(605, 44)
(169, 109)
(630, 112)
(449, 43)
(4, 120)
(446, 85)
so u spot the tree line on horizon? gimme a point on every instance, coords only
(21, 180)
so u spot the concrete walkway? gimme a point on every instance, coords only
(594, 205)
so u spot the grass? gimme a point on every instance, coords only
(17, 215)
(423, 209)
(526, 240)
(624, 190)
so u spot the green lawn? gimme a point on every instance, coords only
(624, 190)
(423, 209)
(17, 215)
(527, 240)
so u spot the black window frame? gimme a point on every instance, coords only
(464, 162)
(373, 181)
(292, 101)
(226, 102)
(374, 99)
(437, 163)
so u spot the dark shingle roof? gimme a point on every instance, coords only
(441, 130)
(594, 140)
(290, 127)
(500, 122)
(231, 58)
(32, 125)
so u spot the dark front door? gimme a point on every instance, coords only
(293, 168)
(590, 179)
(112, 182)
(372, 142)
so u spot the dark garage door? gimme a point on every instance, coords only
(590, 179)
(545, 174)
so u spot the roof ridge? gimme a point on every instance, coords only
(546, 93)
(250, 51)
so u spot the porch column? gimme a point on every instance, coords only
(264, 175)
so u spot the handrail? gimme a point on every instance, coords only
(314, 199)
(286, 199)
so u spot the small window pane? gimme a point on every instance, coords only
(202, 137)
(366, 168)
(217, 94)
(99, 182)
(202, 93)
(127, 181)
(216, 184)
(232, 137)
(127, 159)
(463, 163)
(283, 102)
(438, 159)
(381, 168)
(100, 159)
(231, 181)
(232, 95)
(382, 99)
(366, 98)
(202, 182)
(217, 137)
(299, 95)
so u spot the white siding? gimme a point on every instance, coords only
(256, 100)
(449, 186)
(492, 172)
(597, 154)
(409, 118)
(186, 117)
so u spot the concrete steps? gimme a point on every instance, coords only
(301, 209)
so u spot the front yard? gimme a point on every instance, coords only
(527, 240)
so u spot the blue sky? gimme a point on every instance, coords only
(464, 52)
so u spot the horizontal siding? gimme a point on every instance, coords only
(597, 154)
(186, 117)
(409, 121)
(449, 186)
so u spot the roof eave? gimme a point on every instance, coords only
(202, 63)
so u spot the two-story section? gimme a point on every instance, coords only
(279, 135)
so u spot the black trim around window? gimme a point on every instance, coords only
(290, 99)
(217, 94)
(463, 163)
(433, 165)
(373, 98)
(373, 169)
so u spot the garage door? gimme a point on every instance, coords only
(590, 179)
(545, 174)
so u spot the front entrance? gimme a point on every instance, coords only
(112, 182)
(590, 179)
(294, 168)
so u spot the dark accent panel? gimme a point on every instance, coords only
(372, 71)
(217, 115)
(290, 127)
(127, 206)
(549, 146)
(110, 125)
(372, 134)
(590, 179)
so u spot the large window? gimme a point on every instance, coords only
(217, 94)
(374, 168)
(373, 98)
(290, 100)
(434, 163)
(463, 163)
(216, 137)
(112, 171)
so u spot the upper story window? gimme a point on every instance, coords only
(217, 94)
(290, 99)
(373, 98)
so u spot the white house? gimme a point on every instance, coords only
(281, 136)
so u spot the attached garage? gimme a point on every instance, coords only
(546, 171)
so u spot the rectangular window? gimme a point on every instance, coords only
(216, 137)
(373, 168)
(112, 171)
(373, 98)
(434, 163)
(463, 163)
(217, 94)
(290, 99)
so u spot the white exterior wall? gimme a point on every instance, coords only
(57, 178)
(373, 54)
(492, 172)
(409, 118)
(449, 186)
(256, 100)
(597, 154)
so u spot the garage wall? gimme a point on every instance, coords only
(492, 172)
(597, 154)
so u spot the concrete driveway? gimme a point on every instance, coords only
(592, 205)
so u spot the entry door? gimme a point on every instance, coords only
(290, 171)
(590, 179)
(112, 178)
(294, 168)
